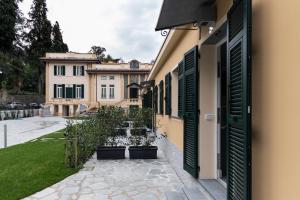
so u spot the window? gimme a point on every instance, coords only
(111, 78)
(78, 92)
(103, 78)
(174, 93)
(59, 91)
(111, 91)
(103, 91)
(59, 70)
(134, 64)
(78, 70)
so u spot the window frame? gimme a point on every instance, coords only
(111, 91)
(103, 92)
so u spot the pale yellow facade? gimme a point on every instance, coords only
(275, 98)
(101, 83)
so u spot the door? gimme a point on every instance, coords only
(190, 112)
(222, 112)
(239, 101)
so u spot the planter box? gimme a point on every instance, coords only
(105, 153)
(141, 152)
(138, 132)
(122, 132)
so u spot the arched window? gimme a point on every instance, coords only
(134, 64)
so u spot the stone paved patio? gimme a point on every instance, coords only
(118, 180)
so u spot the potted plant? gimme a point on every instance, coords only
(113, 147)
(141, 144)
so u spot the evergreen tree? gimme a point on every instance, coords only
(8, 19)
(58, 44)
(39, 38)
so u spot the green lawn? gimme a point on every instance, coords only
(30, 167)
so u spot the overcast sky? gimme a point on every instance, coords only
(124, 27)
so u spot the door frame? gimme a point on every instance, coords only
(218, 150)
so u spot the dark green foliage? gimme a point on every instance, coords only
(141, 117)
(9, 14)
(58, 44)
(100, 53)
(100, 130)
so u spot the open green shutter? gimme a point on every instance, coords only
(74, 70)
(63, 70)
(180, 89)
(168, 79)
(63, 91)
(74, 91)
(82, 91)
(54, 92)
(155, 99)
(55, 70)
(161, 97)
(239, 101)
(82, 70)
(190, 112)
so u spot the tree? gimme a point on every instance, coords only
(9, 17)
(99, 51)
(58, 44)
(39, 38)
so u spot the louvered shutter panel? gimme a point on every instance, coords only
(82, 70)
(161, 97)
(63, 91)
(74, 91)
(82, 91)
(74, 70)
(63, 70)
(239, 101)
(180, 89)
(55, 70)
(168, 94)
(190, 110)
(155, 99)
(55, 89)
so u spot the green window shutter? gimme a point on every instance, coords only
(155, 98)
(168, 79)
(190, 112)
(125, 86)
(55, 70)
(54, 92)
(82, 91)
(74, 91)
(161, 97)
(63, 91)
(63, 70)
(74, 70)
(82, 70)
(239, 101)
(69, 92)
(180, 89)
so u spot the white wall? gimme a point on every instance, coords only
(68, 79)
(116, 82)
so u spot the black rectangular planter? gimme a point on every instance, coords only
(121, 132)
(142, 152)
(106, 153)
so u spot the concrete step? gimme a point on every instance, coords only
(194, 194)
(174, 195)
(186, 193)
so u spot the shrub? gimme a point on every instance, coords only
(99, 130)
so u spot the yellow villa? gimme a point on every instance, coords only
(78, 82)
(225, 95)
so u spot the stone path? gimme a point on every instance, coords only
(26, 129)
(119, 180)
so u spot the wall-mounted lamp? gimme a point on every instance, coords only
(210, 29)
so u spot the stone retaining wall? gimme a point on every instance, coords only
(17, 114)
